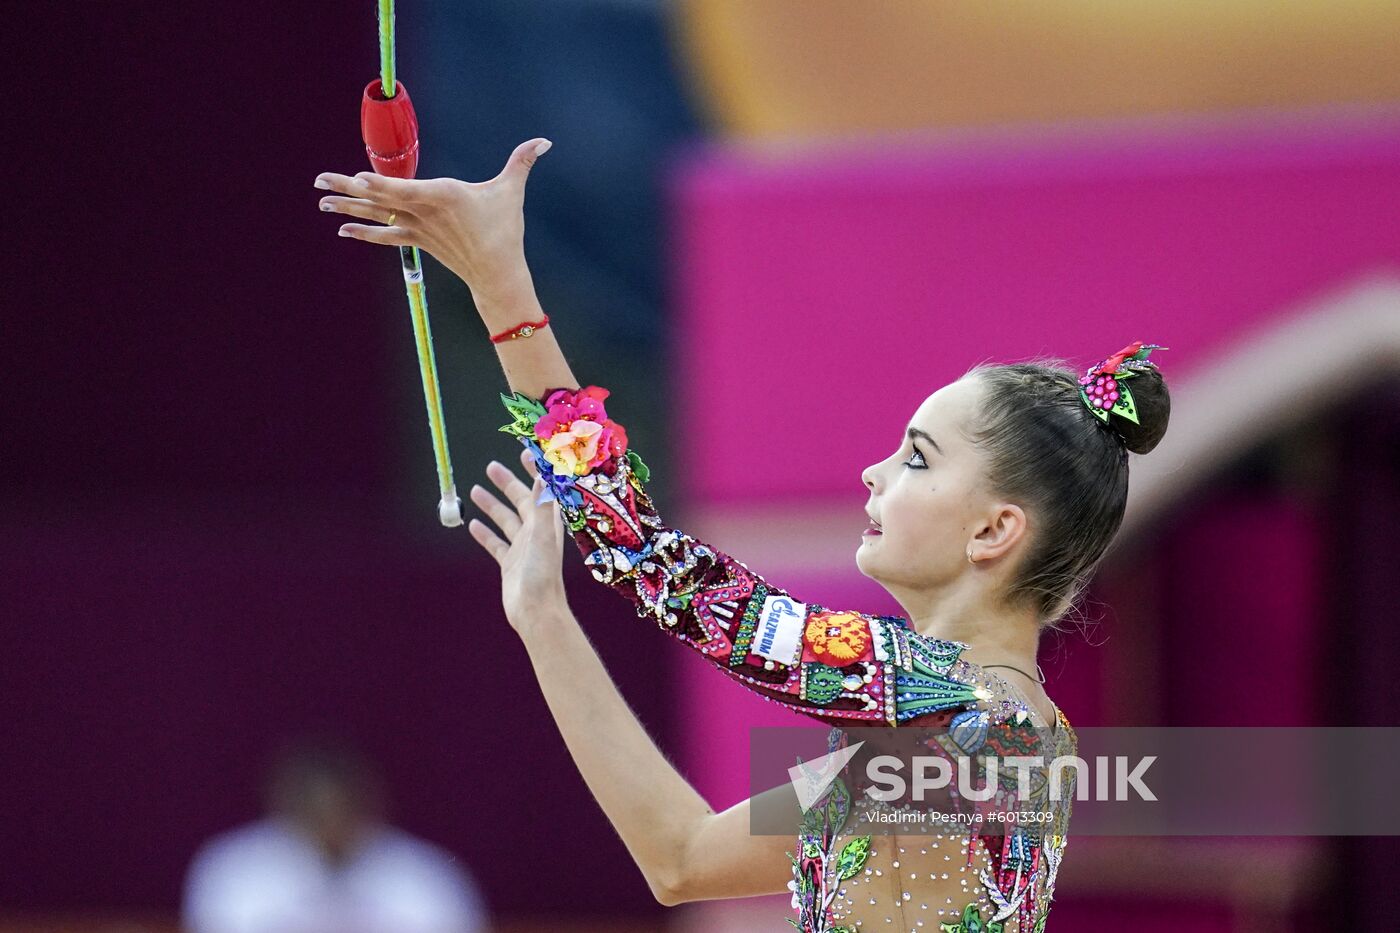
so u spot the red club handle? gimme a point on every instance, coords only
(390, 130)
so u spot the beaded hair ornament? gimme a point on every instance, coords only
(1102, 385)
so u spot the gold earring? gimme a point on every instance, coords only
(969, 556)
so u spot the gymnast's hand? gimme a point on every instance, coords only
(530, 546)
(475, 229)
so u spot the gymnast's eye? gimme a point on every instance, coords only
(916, 460)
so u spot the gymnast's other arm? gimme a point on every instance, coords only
(686, 851)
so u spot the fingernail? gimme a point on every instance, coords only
(323, 184)
(360, 183)
(325, 207)
(343, 232)
(543, 147)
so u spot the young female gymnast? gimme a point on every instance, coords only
(986, 520)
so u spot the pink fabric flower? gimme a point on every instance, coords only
(575, 432)
(575, 450)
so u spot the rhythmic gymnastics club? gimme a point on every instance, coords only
(390, 131)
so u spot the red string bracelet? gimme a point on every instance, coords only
(520, 330)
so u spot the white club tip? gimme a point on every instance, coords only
(450, 512)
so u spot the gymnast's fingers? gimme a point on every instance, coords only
(386, 236)
(488, 539)
(397, 190)
(546, 513)
(527, 459)
(359, 207)
(344, 184)
(544, 517)
(507, 482)
(505, 518)
(380, 188)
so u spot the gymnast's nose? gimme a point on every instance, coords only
(868, 476)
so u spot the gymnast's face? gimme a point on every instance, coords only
(928, 502)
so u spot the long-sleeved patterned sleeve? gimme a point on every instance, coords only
(841, 667)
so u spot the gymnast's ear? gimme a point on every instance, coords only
(523, 159)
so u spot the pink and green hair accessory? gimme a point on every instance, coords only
(1101, 387)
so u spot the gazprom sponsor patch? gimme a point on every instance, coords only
(778, 635)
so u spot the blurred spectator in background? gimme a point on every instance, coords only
(323, 861)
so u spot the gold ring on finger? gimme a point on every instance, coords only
(392, 215)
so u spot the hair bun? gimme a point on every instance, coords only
(1129, 385)
(1153, 407)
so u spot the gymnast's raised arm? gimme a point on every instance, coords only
(839, 667)
(477, 230)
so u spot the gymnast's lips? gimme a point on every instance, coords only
(873, 531)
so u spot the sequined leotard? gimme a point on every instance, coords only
(845, 668)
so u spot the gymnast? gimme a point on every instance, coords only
(987, 518)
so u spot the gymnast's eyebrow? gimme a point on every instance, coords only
(915, 432)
